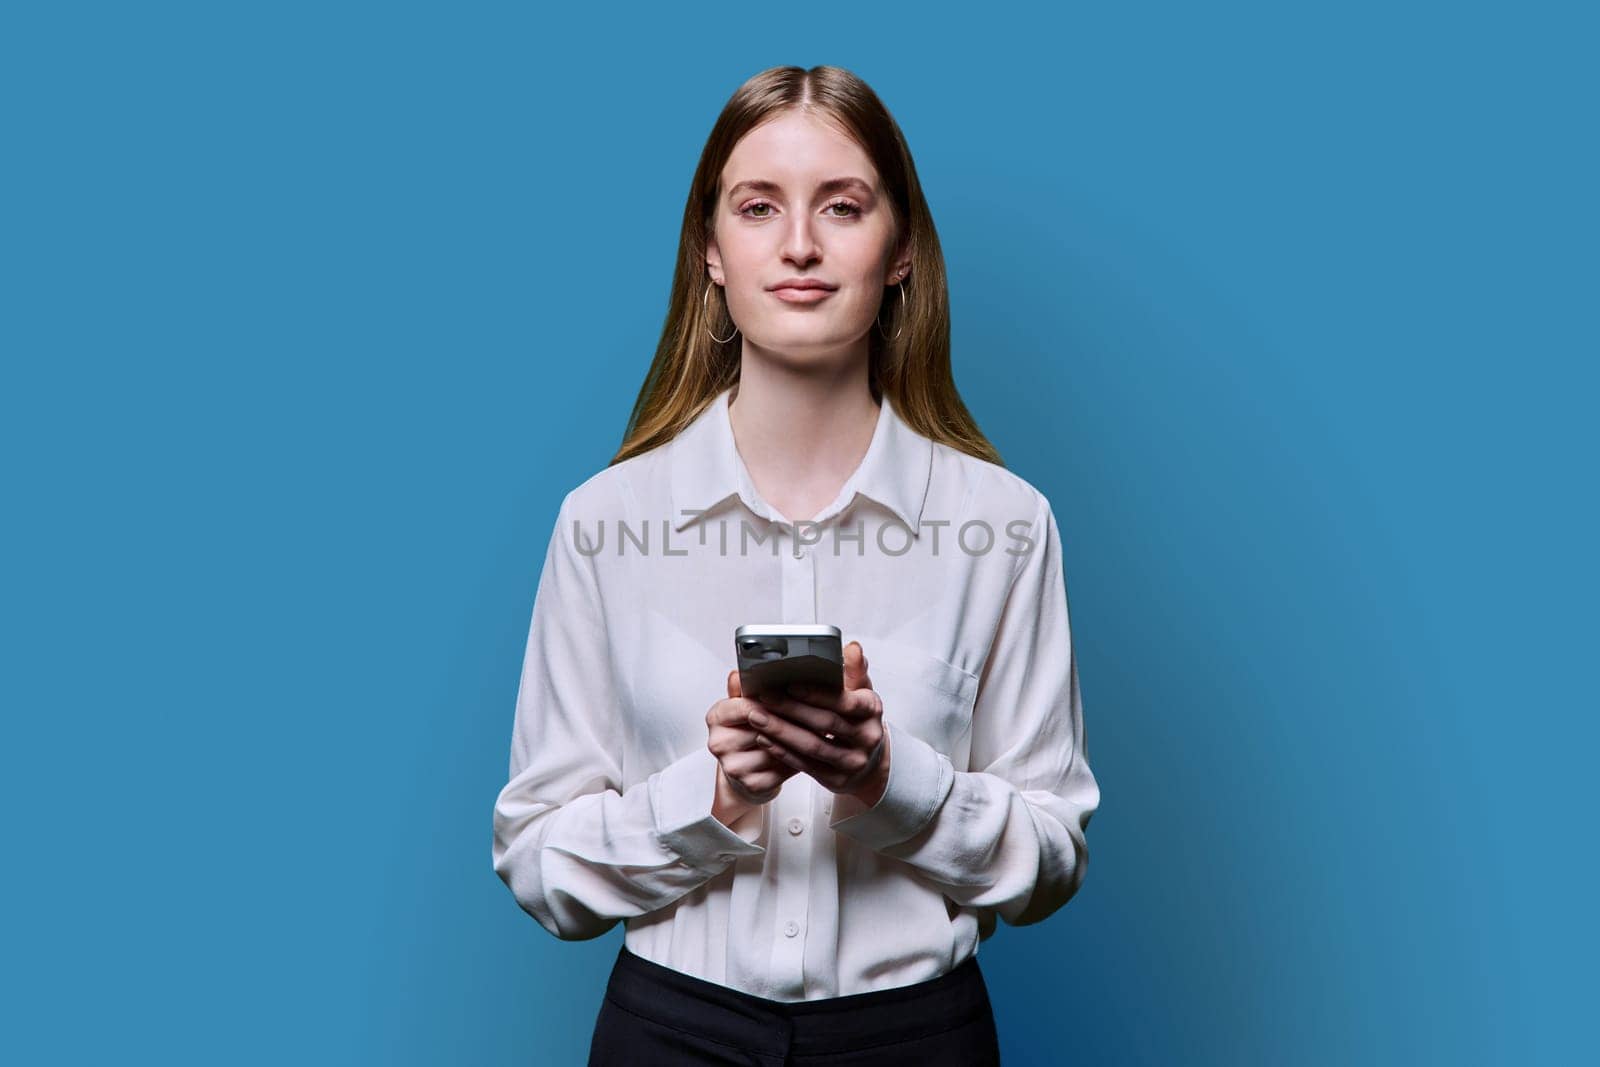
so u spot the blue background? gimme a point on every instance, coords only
(313, 312)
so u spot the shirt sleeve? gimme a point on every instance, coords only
(1009, 835)
(579, 851)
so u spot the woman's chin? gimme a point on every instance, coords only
(803, 339)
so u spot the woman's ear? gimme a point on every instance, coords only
(714, 260)
(899, 267)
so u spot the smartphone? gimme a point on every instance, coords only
(775, 655)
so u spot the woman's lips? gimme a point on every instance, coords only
(801, 296)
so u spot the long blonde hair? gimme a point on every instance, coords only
(690, 368)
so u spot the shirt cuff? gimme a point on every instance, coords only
(681, 796)
(920, 777)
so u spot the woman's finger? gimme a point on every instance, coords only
(820, 720)
(815, 695)
(853, 705)
(733, 712)
(745, 762)
(855, 667)
(738, 740)
(803, 741)
(827, 774)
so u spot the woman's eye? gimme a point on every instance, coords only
(839, 209)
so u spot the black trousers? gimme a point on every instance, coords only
(655, 1015)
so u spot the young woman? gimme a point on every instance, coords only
(801, 879)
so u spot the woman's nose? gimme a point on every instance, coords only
(800, 240)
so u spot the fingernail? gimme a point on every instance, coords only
(758, 719)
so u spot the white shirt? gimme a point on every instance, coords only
(607, 813)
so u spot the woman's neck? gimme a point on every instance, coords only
(801, 435)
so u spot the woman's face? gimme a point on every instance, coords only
(780, 216)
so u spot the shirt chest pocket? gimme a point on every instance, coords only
(921, 692)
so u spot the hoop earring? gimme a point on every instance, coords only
(705, 302)
(902, 324)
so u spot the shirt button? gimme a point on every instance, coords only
(796, 826)
(791, 928)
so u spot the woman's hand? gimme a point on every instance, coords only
(837, 738)
(746, 775)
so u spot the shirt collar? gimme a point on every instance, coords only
(706, 469)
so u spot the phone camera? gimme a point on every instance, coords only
(764, 648)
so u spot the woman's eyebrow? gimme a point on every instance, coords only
(832, 185)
